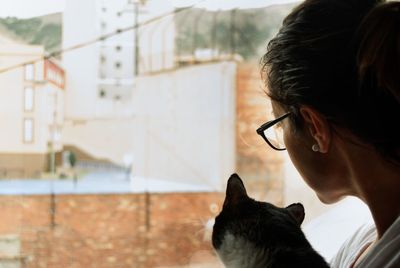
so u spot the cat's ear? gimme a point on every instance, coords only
(235, 190)
(297, 211)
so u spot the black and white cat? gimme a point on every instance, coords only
(252, 234)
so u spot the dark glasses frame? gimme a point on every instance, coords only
(265, 126)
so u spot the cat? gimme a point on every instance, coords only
(252, 234)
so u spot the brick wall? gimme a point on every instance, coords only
(110, 230)
(257, 163)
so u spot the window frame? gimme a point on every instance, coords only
(24, 130)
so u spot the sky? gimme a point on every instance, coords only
(34, 8)
(30, 8)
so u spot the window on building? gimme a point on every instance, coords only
(28, 130)
(103, 59)
(118, 48)
(102, 74)
(28, 99)
(118, 65)
(29, 71)
(102, 93)
(103, 25)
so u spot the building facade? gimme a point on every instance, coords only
(31, 110)
(101, 76)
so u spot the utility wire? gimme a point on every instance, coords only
(100, 38)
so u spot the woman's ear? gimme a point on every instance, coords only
(318, 127)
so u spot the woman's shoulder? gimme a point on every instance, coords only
(350, 249)
(386, 253)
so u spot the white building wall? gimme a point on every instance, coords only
(100, 77)
(182, 129)
(116, 57)
(12, 112)
(49, 110)
(81, 65)
(157, 39)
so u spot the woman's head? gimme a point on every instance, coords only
(337, 61)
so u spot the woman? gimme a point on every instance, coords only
(333, 75)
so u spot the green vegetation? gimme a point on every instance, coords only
(46, 30)
(245, 32)
(72, 159)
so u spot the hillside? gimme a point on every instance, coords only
(251, 28)
(45, 30)
(195, 29)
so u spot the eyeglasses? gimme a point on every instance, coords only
(272, 133)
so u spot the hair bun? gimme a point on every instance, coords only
(379, 48)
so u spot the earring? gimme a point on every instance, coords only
(315, 148)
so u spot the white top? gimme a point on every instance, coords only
(385, 254)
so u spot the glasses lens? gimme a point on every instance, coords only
(274, 135)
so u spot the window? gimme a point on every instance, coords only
(29, 71)
(28, 99)
(149, 137)
(102, 74)
(102, 93)
(28, 130)
(103, 59)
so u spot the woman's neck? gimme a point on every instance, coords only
(377, 183)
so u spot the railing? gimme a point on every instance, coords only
(84, 164)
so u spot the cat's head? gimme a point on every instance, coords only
(260, 224)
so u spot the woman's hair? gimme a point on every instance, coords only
(341, 57)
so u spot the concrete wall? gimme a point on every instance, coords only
(10, 255)
(182, 126)
(81, 65)
(23, 165)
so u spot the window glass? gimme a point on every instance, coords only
(28, 130)
(29, 72)
(28, 98)
(135, 130)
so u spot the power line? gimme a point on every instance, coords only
(100, 38)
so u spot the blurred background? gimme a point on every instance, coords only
(121, 121)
